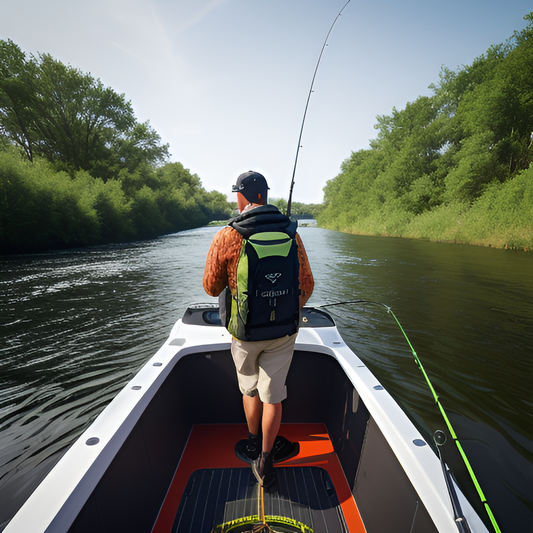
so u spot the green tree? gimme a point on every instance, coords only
(76, 168)
(280, 203)
(443, 154)
(55, 111)
(17, 95)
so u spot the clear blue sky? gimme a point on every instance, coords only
(225, 82)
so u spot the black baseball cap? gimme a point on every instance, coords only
(251, 184)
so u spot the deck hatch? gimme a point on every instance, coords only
(215, 496)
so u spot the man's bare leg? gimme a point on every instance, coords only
(271, 424)
(262, 467)
(253, 409)
(262, 415)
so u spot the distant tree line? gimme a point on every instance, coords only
(298, 210)
(77, 168)
(454, 166)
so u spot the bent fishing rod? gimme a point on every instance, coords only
(289, 203)
(439, 435)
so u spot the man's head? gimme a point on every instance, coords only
(253, 186)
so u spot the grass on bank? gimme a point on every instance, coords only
(501, 217)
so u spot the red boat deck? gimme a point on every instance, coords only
(212, 447)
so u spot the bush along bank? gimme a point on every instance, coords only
(41, 209)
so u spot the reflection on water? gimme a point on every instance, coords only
(77, 325)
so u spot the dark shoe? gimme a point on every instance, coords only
(247, 450)
(263, 469)
(284, 449)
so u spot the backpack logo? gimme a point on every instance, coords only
(273, 277)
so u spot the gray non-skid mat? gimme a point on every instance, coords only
(216, 496)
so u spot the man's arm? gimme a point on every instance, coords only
(307, 282)
(221, 263)
(215, 272)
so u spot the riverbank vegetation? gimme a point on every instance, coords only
(455, 166)
(77, 168)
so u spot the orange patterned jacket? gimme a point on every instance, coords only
(223, 256)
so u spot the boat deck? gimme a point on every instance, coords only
(212, 486)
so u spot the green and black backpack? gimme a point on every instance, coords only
(266, 305)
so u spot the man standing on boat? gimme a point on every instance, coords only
(262, 316)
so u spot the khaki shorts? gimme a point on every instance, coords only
(262, 366)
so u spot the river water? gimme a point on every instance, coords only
(76, 326)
